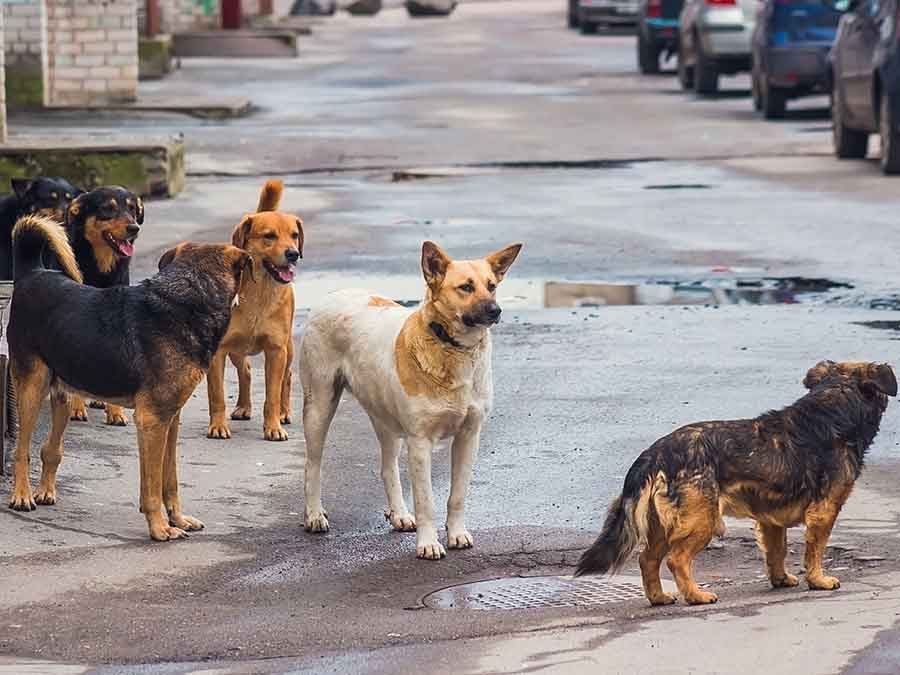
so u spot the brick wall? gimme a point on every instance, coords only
(92, 52)
(186, 15)
(26, 40)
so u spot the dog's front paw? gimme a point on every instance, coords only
(218, 430)
(275, 433)
(45, 496)
(823, 583)
(22, 500)
(185, 523)
(241, 413)
(167, 533)
(115, 417)
(460, 539)
(285, 418)
(430, 550)
(316, 521)
(77, 411)
(402, 521)
(99, 405)
(701, 598)
(787, 581)
(662, 599)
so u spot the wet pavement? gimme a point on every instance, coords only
(682, 261)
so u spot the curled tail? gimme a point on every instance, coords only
(270, 197)
(626, 522)
(31, 236)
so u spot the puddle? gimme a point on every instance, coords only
(679, 186)
(880, 325)
(517, 293)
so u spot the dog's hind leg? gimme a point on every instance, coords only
(78, 411)
(244, 408)
(171, 500)
(215, 390)
(462, 457)
(397, 514)
(694, 524)
(772, 541)
(819, 519)
(427, 544)
(52, 450)
(32, 384)
(115, 415)
(651, 558)
(321, 395)
(286, 384)
(153, 433)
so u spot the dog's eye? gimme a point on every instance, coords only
(54, 195)
(491, 286)
(68, 196)
(296, 235)
(271, 236)
(467, 287)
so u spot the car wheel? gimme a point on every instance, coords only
(754, 87)
(774, 100)
(706, 77)
(587, 27)
(848, 143)
(648, 55)
(573, 13)
(685, 72)
(890, 137)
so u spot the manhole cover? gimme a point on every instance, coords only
(535, 592)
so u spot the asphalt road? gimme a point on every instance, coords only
(519, 130)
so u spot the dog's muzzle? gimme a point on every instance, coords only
(487, 314)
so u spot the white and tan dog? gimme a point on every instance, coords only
(422, 375)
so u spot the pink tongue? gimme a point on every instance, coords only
(285, 273)
(126, 248)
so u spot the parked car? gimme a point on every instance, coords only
(657, 32)
(588, 14)
(791, 41)
(865, 72)
(714, 39)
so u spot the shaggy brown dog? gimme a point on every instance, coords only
(783, 468)
(263, 321)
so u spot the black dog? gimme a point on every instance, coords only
(144, 346)
(103, 225)
(48, 197)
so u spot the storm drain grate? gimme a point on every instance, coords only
(537, 592)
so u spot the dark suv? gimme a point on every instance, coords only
(865, 71)
(657, 32)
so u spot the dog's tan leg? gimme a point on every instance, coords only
(397, 514)
(772, 542)
(52, 450)
(215, 390)
(152, 433)
(244, 408)
(427, 544)
(695, 524)
(650, 560)
(31, 388)
(462, 457)
(276, 361)
(286, 384)
(78, 411)
(115, 415)
(171, 500)
(820, 518)
(320, 401)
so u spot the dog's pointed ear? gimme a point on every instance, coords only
(21, 186)
(434, 264)
(73, 212)
(817, 373)
(139, 210)
(882, 378)
(500, 261)
(167, 258)
(302, 236)
(241, 232)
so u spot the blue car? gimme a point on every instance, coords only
(790, 51)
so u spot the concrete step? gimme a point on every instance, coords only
(236, 44)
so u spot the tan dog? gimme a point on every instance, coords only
(263, 320)
(423, 375)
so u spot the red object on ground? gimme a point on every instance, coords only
(231, 14)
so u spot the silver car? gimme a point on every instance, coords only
(592, 13)
(715, 37)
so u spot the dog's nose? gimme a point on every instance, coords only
(132, 229)
(292, 255)
(492, 311)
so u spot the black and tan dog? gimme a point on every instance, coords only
(144, 347)
(103, 225)
(783, 468)
(45, 196)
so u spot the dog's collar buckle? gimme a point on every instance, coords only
(441, 334)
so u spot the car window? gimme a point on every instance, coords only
(873, 7)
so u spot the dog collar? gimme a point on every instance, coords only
(441, 334)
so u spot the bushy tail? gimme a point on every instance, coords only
(626, 523)
(31, 236)
(270, 197)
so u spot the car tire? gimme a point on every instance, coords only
(573, 13)
(648, 55)
(774, 100)
(755, 88)
(685, 72)
(587, 27)
(890, 137)
(848, 143)
(706, 77)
